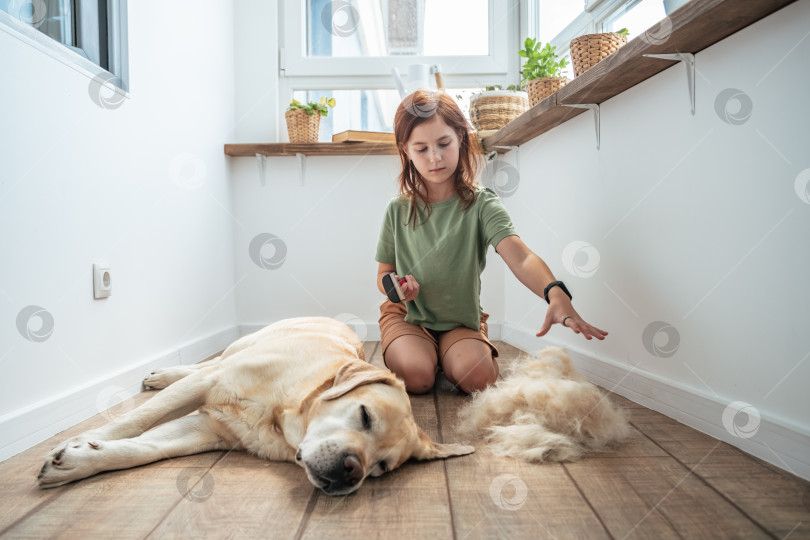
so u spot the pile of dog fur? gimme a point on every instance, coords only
(544, 410)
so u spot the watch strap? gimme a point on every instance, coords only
(559, 284)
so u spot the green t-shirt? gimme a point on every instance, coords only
(446, 254)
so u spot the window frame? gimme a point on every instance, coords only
(297, 71)
(98, 35)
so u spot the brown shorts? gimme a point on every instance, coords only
(393, 325)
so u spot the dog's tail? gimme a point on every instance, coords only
(544, 411)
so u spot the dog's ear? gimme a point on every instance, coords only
(424, 448)
(354, 374)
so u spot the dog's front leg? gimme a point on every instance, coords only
(176, 401)
(75, 460)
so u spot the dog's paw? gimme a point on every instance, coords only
(72, 460)
(161, 378)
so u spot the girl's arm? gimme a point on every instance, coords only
(535, 274)
(410, 288)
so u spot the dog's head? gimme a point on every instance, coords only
(361, 426)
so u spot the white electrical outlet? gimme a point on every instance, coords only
(102, 281)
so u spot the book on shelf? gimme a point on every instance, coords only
(362, 136)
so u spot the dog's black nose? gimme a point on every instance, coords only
(353, 469)
(298, 455)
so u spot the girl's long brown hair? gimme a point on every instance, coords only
(420, 107)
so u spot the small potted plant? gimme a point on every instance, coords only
(590, 49)
(495, 107)
(542, 72)
(304, 121)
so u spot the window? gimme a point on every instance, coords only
(87, 33)
(560, 22)
(397, 28)
(637, 17)
(348, 49)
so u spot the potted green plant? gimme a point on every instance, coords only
(304, 120)
(590, 49)
(495, 107)
(542, 72)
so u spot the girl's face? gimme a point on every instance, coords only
(433, 147)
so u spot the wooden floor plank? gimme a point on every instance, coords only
(122, 504)
(658, 498)
(242, 496)
(369, 347)
(496, 497)
(622, 401)
(376, 358)
(771, 497)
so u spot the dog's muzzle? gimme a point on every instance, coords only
(340, 477)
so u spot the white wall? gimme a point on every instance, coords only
(143, 187)
(328, 227)
(696, 222)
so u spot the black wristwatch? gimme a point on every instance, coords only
(559, 284)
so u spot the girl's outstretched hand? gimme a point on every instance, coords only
(560, 311)
(410, 288)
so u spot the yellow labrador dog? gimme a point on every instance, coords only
(298, 390)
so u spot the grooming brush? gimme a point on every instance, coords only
(391, 285)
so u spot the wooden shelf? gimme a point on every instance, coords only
(695, 26)
(312, 149)
(315, 149)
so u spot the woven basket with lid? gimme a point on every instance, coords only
(302, 127)
(588, 50)
(494, 109)
(540, 89)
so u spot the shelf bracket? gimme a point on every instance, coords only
(261, 160)
(592, 106)
(688, 60)
(517, 154)
(301, 158)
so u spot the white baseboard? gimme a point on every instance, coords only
(26, 427)
(367, 331)
(782, 445)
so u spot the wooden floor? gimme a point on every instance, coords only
(669, 481)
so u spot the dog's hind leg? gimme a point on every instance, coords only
(181, 398)
(163, 377)
(75, 460)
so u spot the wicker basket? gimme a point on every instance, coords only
(540, 89)
(302, 127)
(495, 109)
(588, 50)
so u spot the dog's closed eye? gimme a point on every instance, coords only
(366, 418)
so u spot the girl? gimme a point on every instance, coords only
(436, 232)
